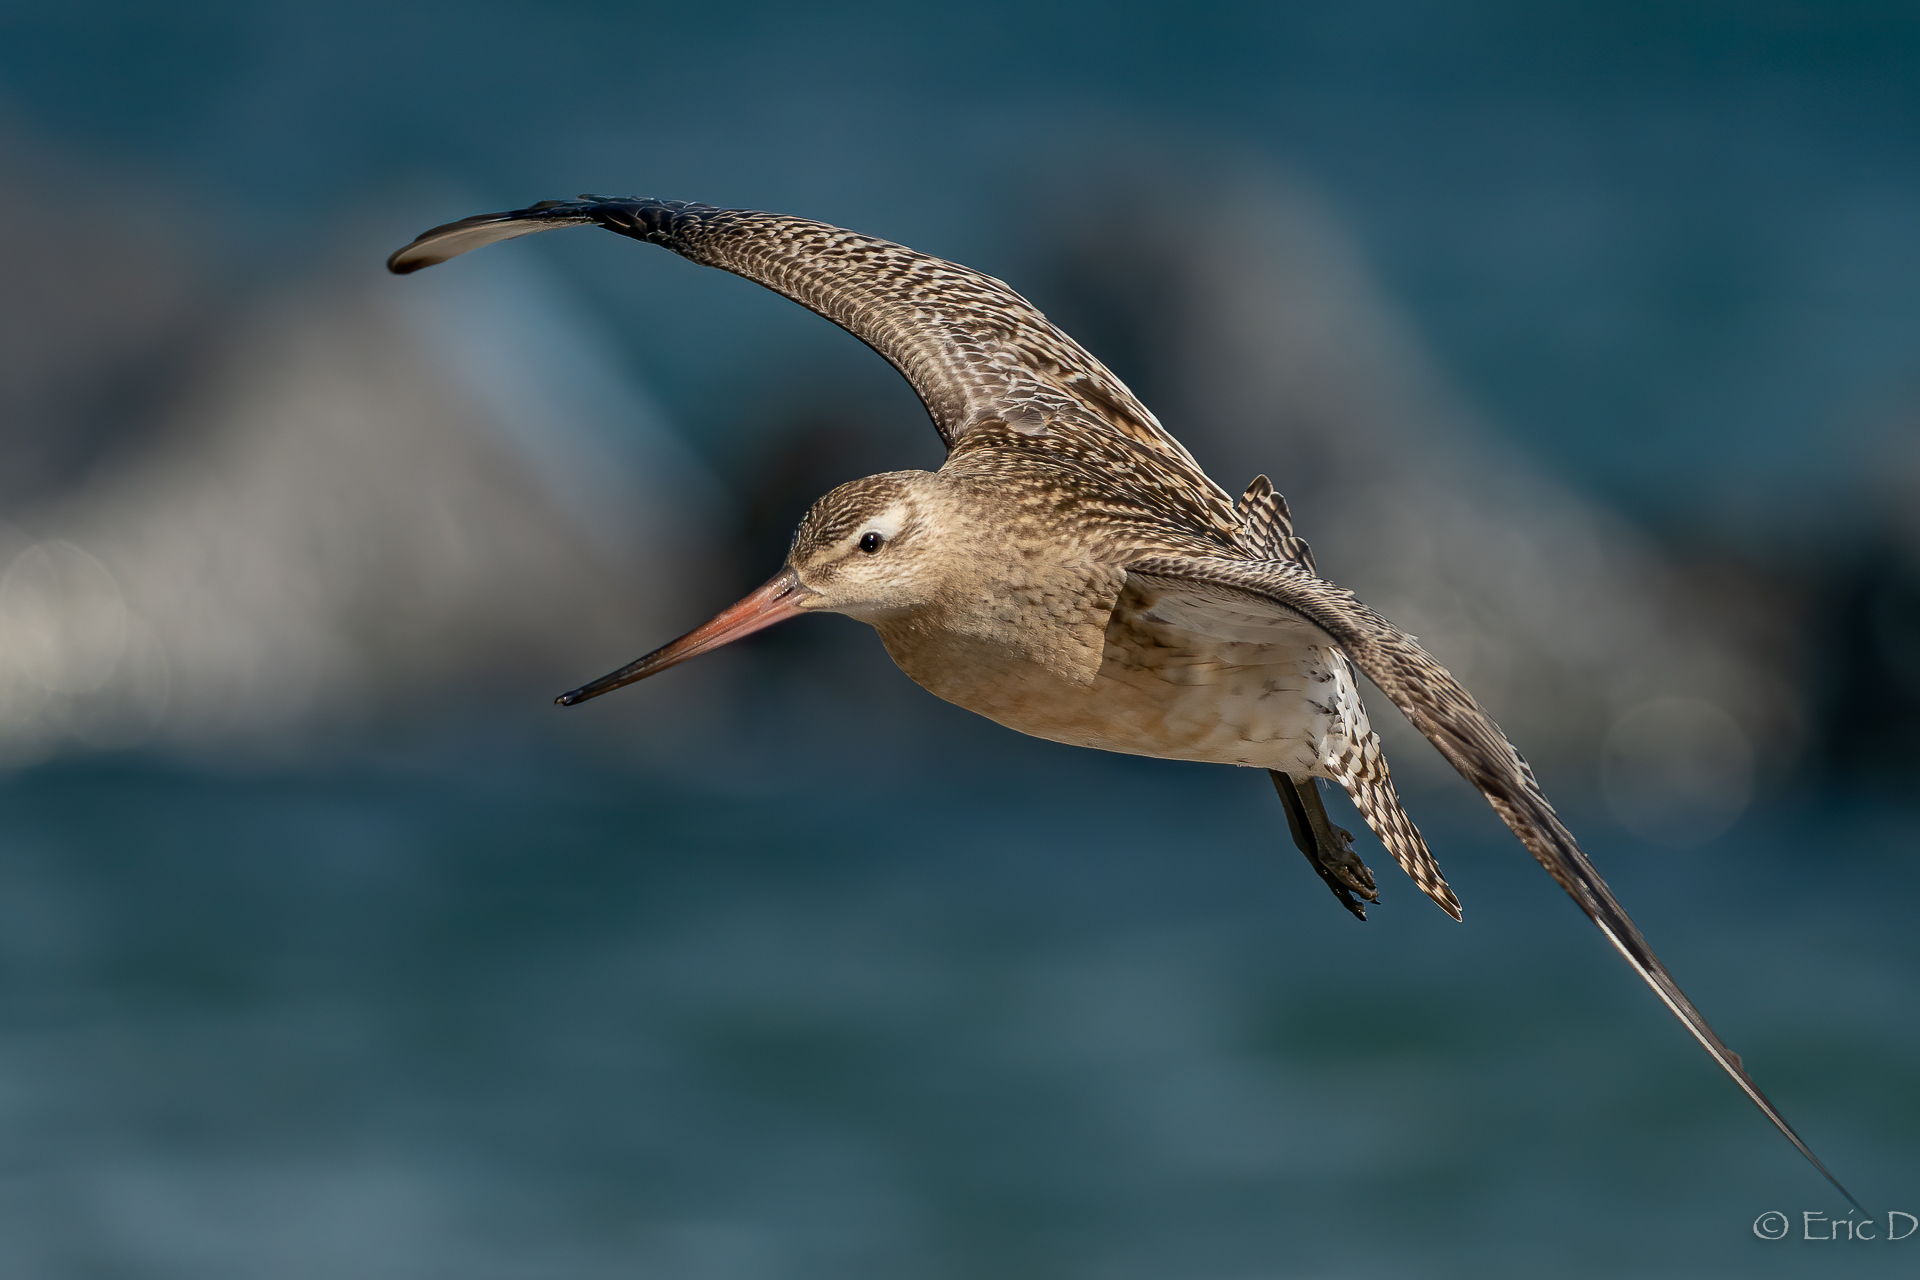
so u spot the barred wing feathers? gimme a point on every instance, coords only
(974, 350)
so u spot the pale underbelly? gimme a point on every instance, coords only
(1278, 716)
(1291, 707)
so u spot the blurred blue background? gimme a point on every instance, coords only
(1585, 341)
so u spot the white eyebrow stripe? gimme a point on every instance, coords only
(887, 524)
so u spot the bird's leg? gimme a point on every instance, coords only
(1327, 847)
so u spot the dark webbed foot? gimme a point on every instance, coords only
(1327, 847)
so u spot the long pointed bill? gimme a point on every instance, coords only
(781, 598)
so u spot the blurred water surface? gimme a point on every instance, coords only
(498, 1021)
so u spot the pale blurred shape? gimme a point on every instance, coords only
(366, 496)
(63, 621)
(76, 663)
(1677, 771)
(128, 709)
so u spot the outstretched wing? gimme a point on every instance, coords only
(973, 349)
(1447, 714)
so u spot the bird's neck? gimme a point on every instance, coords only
(1026, 622)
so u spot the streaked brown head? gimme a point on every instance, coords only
(859, 551)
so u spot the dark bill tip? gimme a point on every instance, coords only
(779, 598)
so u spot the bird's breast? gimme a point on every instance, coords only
(1166, 682)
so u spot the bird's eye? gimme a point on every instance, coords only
(870, 542)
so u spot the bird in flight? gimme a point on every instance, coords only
(1072, 573)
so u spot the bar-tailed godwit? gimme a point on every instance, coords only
(1071, 572)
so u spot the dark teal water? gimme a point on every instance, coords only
(1050, 1016)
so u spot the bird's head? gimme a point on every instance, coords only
(861, 551)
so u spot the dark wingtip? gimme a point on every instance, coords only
(451, 239)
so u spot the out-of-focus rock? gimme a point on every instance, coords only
(1865, 615)
(368, 493)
